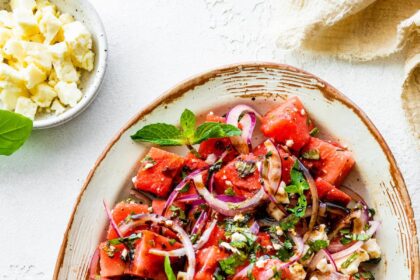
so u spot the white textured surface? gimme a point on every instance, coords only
(153, 45)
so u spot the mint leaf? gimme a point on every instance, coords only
(298, 186)
(209, 130)
(168, 269)
(160, 133)
(318, 245)
(188, 122)
(311, 154)
(14, 131)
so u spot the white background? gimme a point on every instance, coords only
(153, 45)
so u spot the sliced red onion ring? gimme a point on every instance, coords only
(93, 266)
(111, 219)
(188, 198)
(242, 143)
(270, 172)
(179, 187)
(142, 219)
(254, 228)
(230, 198)
(374, 225)
(227, 208)
(181, 252)
(314, 194)
(201, 221)
(318, 257)
(299, 249)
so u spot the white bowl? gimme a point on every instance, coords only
(84, 12)
(376, 176)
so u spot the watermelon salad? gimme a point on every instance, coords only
(231, 210)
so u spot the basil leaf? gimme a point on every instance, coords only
(160, 133)
(14, 131)
(209, 130)
(318, 245)
(188, 122)
(168, 269)
(298, 186)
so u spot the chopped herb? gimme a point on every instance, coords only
(298, 186)
(372, 212)
(347, 238)
(149, 162)
(269, 154)
(109, 250)
(345, 231)
(125, 240)
(230, 191)
(245, 168)
(194, 238)
(350, 259)
(230, 264)
(218, 274)
(168, 269)
(172, 241)
(314, 131)
(366, 275)
(185, 188)
(311, 154)
(276, 274)
(345, 241)
(318, 245)
(177, 212)
(289, 222)
(373, 261)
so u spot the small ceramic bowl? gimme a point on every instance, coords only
(84, 12)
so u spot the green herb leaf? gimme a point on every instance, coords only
(14, 131)
(209, 130)
(188, 122)
(160, 133)
(230, 264)
(245, 168)
(289, 222)
(314, 131)
(318, 245)
(298, 186)
(229, 191)
(311, 154)
(168, 269)
(349, 260)
(366, 275)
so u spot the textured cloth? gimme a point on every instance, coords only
(360, 30)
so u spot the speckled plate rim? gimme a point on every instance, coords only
(329, 92)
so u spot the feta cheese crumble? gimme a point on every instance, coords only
(43, 53)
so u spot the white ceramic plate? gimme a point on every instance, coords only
(376, 175)
(84, 12)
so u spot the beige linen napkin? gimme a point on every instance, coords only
(360, 30)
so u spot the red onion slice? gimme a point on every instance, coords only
(181, 252)
(227, 208)
(318, 257)
(354, 195)
(201, 221)
(111, 219)
(242, 143)
(179, 187)
(254, 228)
(142, 219)
(314, 194)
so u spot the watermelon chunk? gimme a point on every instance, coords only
(157, 172)
(288, 124)
(120, 213)
(147, 265)
(207, 262)
(330, 193)
(240, 176)
(110, 261)
(334, 162)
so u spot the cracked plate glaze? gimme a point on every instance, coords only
(262, 85)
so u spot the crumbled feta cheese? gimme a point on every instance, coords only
(373, 249)
(276, 246)
(33, 76)
(279, 231)
(228, 183)
(289, 143)
(297, 271)
(324, 266)
(26, 107)
(353, 266)
(68, 93)
(314, 278)
(150, 209)
(181, 275)
(43, 95)
(318, 234)
(57, 107)
(238, 237)
(124, 254)
(169, 223)
(239, 218)
(275, 212)
(229, 247)
(260, 263)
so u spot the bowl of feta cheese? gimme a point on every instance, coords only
(52, 58)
